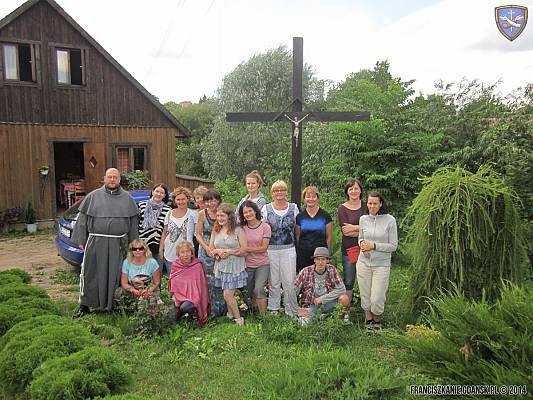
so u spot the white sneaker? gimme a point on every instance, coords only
(239, 321)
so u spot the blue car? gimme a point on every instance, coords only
(67, 249)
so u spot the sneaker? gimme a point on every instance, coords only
(274, 312)
(239, 321)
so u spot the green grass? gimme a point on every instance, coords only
(269, 358)
(64, 277)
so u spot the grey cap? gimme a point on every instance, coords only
(321, 252)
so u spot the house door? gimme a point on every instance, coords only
(94, 165)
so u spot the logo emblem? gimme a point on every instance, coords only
(511, 20)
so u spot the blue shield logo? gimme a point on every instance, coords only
(511, 20)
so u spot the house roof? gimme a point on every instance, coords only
(30, 3)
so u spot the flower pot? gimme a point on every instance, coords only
(31, 228)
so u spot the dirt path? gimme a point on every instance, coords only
(37, 255)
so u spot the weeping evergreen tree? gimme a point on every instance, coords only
(465, 231)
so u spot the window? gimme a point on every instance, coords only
(131, 158)
(70, 66)
(19, 62)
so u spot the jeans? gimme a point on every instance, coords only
(349, 272)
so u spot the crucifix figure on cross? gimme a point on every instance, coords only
(296, 116)
(296, 128)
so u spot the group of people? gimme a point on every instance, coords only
(264, 249)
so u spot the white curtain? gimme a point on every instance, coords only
(10, 62)
(63, 70)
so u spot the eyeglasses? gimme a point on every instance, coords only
(279, 190)
(137, 249)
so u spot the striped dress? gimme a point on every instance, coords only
(152, 236)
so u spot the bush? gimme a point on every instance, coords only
(95, 371)
(147, 318)
(334, 374)
(20, 309)
(14, 291)
(465, 233)
(476, 342)
(23, 276)
(32, 323)
(29, 349)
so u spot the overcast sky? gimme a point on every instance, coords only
(181, 49)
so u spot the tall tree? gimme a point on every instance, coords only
(263, 83)
(199, 118)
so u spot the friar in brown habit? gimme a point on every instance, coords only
(107, 222)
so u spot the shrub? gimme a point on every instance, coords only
(466, 232)
(148, 318)
(23, 275)
(476, 342)
(20, 309)
(14, 291)
(27, 350)
(334, 374)
(95, 371)
(32, 323)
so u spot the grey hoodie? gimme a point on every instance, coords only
(381, 230)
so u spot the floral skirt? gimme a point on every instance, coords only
(231, 281)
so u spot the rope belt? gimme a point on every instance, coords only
(82, 278)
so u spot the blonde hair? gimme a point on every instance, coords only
(180, 190)
(254, 174)
(136, 243)
(185, 245)
(279, 184)
(227, 209)
(200, 191)
(310, 190)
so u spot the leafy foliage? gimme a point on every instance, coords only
(466, 232)
(263, 83)
(137, 179)
(94, 371)
(199, 119)
(476, 342)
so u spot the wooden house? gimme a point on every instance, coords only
(67, 104)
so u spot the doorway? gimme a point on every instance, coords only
(69, 173)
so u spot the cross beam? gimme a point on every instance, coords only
(296, 117)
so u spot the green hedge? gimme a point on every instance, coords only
(29, 349)
(32, 323)
(23, 276)
(95, 371)
(19, 309)
(8, 292)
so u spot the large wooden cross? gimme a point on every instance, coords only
(296, 117)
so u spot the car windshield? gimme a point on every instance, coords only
(72, 213)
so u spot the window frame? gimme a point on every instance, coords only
(54, 48)
(131, 146)
(35, 62)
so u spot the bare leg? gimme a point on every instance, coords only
(229, 296)
(261, 305)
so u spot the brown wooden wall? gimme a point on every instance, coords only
(192, 182)
(109, 98)
(24, 148)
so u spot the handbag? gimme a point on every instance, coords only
(353, 253)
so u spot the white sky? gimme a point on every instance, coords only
(181, 49)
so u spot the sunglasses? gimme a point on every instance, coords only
(136, 248)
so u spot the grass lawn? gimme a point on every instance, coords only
(269, 358)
